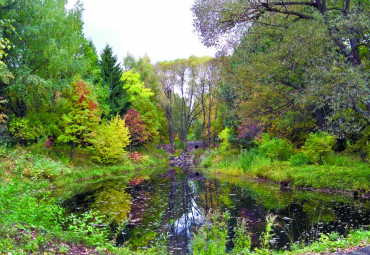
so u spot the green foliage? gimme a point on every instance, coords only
(225, 135)
(24, 131)
(145, 68)
(151, 116)
(299, 159)
(333, 242)
(275, 148)
(111, 73)
(134, 86)
(109, 140)
(3, 116)
(242, 241)
(247, 157)
(267, 236)
(88, 227)
(5, 45)
(44, 168)
(211, 238)
(22, 203)
(83, 116)
(208, 158)
(317, 147)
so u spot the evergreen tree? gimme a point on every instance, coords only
(111, 73)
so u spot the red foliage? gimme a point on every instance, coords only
(136, 127)
(92, 105)
(137, 181)
(48, 142)
(82, 91)
(136, 156)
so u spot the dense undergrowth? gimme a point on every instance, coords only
(314, 165)
(35, 178)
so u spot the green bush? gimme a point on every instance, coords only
(246, 158)
(298, 159)
(22, 130)
(318, 147)
(275, 148)
(208, 158)
(225, 135)
(45, 168)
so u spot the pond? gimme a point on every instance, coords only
(172, 203)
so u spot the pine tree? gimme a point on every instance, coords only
(111, 73)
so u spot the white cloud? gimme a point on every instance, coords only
(161, 28)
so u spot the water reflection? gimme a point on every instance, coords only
(174, 202)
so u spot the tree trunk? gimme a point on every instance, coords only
(71, 153)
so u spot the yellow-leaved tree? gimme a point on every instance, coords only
(109, 140)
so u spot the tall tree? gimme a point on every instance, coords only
(167, 80)
(111, 74)
(296, 66)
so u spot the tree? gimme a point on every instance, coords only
(111, 74)
(345, 20)
(296, 66)
(136, 127)
(109, 140)
(83, 116)
(145, 68)
(134, 86)
(150, 115)
(49, 50)
(167, 82)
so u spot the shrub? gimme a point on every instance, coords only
(109, 140)
(275, 148)
(22, 130)
(208, 158)
(317, 147)
(225, 135)
(246, 158)
(44, 168)
(298, 159)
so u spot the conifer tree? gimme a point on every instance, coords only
(111, 73)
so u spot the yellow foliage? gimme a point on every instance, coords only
(109, 140)
(114, 204)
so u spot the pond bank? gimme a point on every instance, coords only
(341, 174)
(156, 202)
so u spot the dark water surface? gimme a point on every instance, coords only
(173, 203)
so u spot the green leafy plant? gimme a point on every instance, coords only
(89, 227)
(275, 148)
(318, 146)
(212, 236)
(23, 130)
(225, 135)
(242, 241)
(298, 159)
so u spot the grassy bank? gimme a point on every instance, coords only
(339, 171)
(33, 180)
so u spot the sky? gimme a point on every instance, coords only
(160, 28)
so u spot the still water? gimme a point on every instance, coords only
(172, 203)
